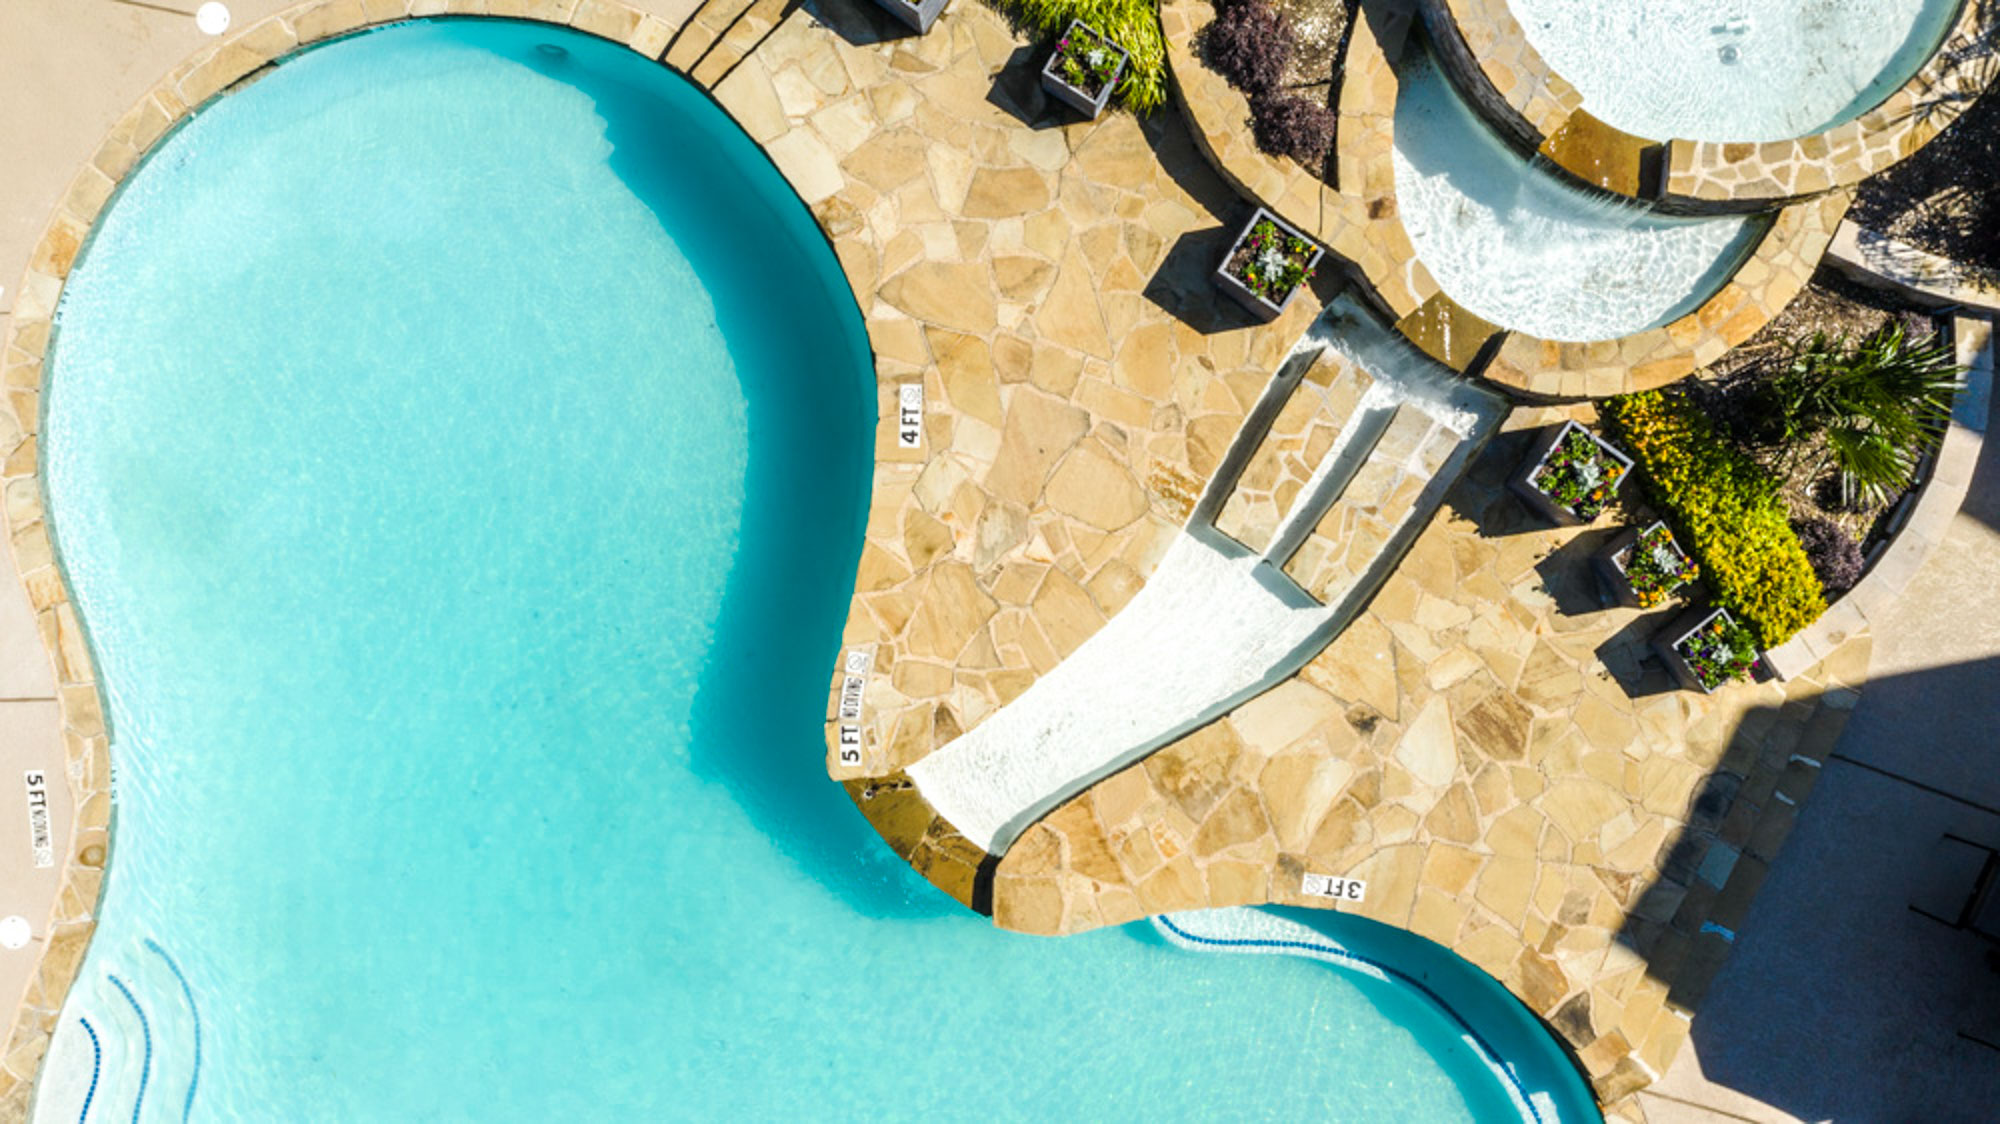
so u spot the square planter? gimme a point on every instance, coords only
(1281, 242)
(1573, 461)
(919, 16)
(1663, 568)
(1681, 645)
(1075, 44)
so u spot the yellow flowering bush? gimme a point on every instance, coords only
(1727, 510)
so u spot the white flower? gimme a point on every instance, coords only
(1667, 559)
(1270, 263)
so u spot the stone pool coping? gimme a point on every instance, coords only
(930, 320)
(1359, 221)
(203, 76)
(953, 285)
(1493, 63)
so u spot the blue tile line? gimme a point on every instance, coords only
(1339, 953)
(96, 1062)
(187, 1107)
(145, 1029)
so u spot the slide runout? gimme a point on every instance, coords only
(1292, 456)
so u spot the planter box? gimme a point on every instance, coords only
(919, 16)
(1083, 101)
(1670, 643)
(1614, 561)
(1259, 306)
(1615, 464)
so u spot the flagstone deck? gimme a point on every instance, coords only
(1483, 744)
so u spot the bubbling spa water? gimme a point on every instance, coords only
(1734, 70)
(1521, 248)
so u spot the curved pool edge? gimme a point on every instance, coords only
(1361, 223)
(209, 73)
(1254, 931)
(141, 129)
(1528, 101)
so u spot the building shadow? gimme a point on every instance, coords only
(1829, 998)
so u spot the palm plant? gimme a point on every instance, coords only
(1880, 405)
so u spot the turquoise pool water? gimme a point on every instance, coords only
(459, 452)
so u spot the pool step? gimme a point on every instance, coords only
(743, 36)
(1322, 427)
(720, 34)
(1358, 526)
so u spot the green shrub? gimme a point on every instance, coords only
(1881, 404)
(1132, 24)
(1726, 509)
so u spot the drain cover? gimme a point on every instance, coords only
(14, 931)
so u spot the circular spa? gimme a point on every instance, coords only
(1727, 70)
(1527, 251)
(458, 445)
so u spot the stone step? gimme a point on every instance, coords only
(751, 28)
(1359, 524)
(702, 31)
(1318, 411)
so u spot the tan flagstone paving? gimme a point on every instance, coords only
(1485, 749)
(1481, 745)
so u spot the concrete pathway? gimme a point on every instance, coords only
(1838, 1002)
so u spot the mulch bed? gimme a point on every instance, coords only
(1319, 34)
(1945, 198)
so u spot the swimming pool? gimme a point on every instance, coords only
(1734, 70)
(458, 444)
(1515, 245)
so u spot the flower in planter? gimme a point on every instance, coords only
(1718, 651)
(1271, 262)
(1087, 61)
(1579, 475)
(1655, 566)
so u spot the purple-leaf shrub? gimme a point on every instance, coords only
(1249, 45)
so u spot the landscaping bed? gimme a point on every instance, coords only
(1728, 391)
(1284, 56)
(1782, 464)
(1946, 197)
